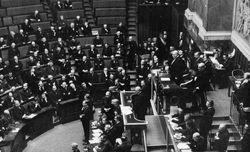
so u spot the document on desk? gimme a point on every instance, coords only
(97, 131)
(30, 116)
(183, 146)
(126, 110)
(165, 79)
(95, 141)
(15, 130)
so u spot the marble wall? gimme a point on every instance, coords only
(242, 18)
(200, 7)
(220, 15)
(217, 15)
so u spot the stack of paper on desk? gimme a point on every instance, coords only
(96, 136)
(126, 110)
(16, 130)
(165, 79)
(183, 146)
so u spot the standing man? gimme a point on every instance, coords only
(85, 117)
(177, 68)
(246, 139)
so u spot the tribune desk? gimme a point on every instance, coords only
(167, 89)
(132, 125)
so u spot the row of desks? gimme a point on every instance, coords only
(36, 124)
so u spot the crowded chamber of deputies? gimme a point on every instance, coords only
(65, 69)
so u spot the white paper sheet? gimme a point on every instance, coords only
(126, 110)
(183, 146)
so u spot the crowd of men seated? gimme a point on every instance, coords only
(64, 71)
(58, 72)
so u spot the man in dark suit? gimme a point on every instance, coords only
(221, 138)
(105, 30)
(22, 38)
(35, 17)
(43, 44)
(198, 143)
(122, 28)
(196, 60)
(105, 75)
(39, 34)
(32, 48)
(142, 71)
(92, 51)
(78, 23)
(59, 5)
(18, 112)
(118, 38)
(16, 67)
(68, 4)
(131, 49)
(55, 95)
(8, 101)
(98, 62)
(123, 146)
(83, 68)
(139, 104)
(201, 84)
(26, 26)
(73, 31)
(52, 34)
(98, 41)
(26, 92)
(44, 101)
(87, 30)
(13, 51)
(85, 117)
(177, 68)
(107, 50)
(246, 139)
(207, 119)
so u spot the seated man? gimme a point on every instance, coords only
(105, 30)
(26, 26)
(198, 143)
(98, 41)
(44, 101)
(22, 38)
(35, 17)
(78, 22)
(58, 5)
(18, 111)
(26, 92)
(68, 4)
(75, 147)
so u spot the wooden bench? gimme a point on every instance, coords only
(54, 1)
(20, 18)
(2, 12)
(110, 20)
(4, 31)
(89, 40)
(15, 3)
(70, 13)
(43, 25)
(77, 5)
(110, 12)
(11, 11)
(109, 3)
